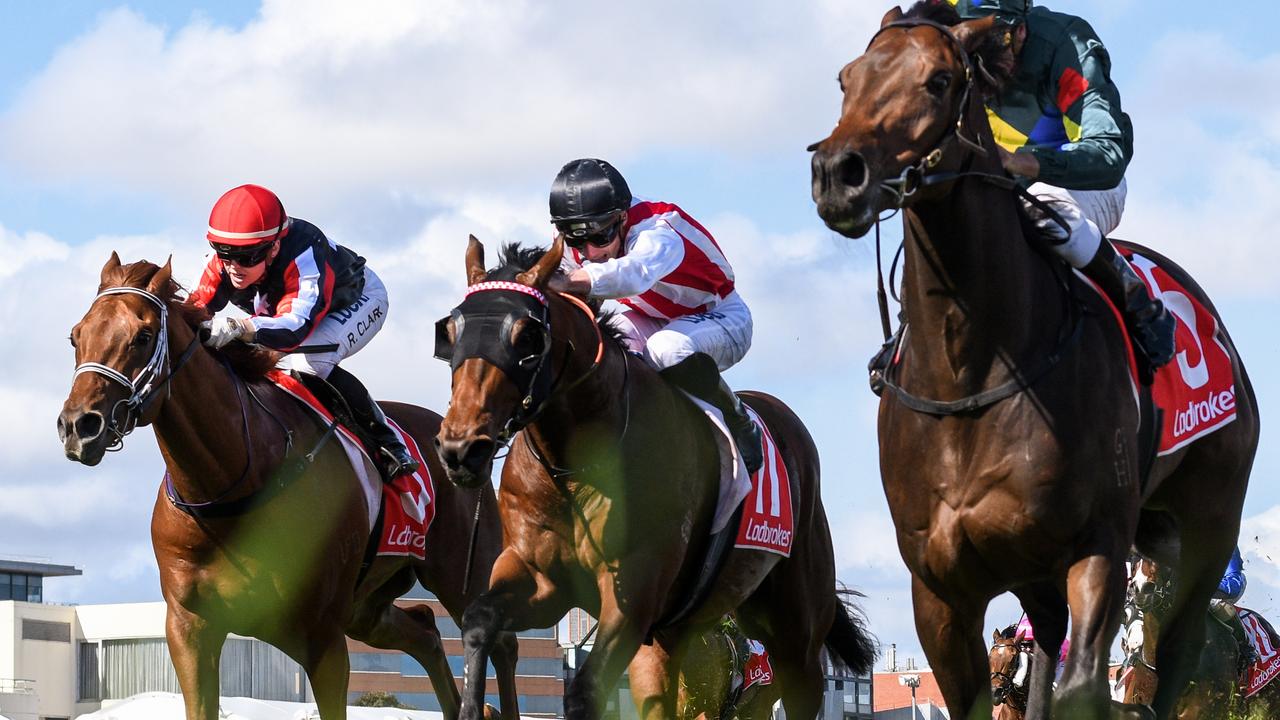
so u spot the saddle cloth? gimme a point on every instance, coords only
(767, 521)
(1266, 657)
(1197, 390)
(406, 505)
(756, 670)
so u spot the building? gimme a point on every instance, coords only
(905, 692)
(60, 661)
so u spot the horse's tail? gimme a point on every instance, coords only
(848, 642)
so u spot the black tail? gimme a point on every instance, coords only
(848, 642)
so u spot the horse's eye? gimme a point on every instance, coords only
(143, 338)
(938, 83)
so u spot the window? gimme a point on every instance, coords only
(88, 679)
(4, 587)
(46, 630)
(19, 587)
(34, 589)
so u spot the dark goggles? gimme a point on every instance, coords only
(598, 232)
(244, 256)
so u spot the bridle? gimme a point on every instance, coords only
(143, 387)
(531, 374)
(1007, 689)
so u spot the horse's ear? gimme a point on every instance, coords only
(113, 264)
(1021, 637)
(972, 33)
(995, 636)
(542, 270)
(475, 261)
(159, 284)
(893, 16)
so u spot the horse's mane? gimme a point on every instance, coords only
(944, 13)
(1010, 632)
(249, 361)
(515, 258)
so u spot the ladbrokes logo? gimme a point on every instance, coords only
(1205, 412)
(766, 534)
(404, 536)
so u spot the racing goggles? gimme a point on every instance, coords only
(596, 232)
(243, 255)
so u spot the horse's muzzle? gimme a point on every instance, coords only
(841, 188)
(83, 435)
(467, 461)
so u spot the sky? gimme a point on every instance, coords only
(402, 127)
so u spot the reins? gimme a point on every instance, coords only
(920, 175)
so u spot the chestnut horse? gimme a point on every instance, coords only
(1214, 692)
(607, 496)
(1010, 421)
(1010, 660)
(282, 560)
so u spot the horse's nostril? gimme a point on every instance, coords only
(851, 170)
(62, 429)
(88, 426)
(480, 452)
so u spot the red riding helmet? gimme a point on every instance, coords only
(247, 215)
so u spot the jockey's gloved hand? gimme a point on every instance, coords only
(222, 331)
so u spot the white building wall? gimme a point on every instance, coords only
(123, 620)
(8, 631)
(51, 664)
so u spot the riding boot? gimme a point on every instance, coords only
(1151, 325)
(699, 376)
(391, 455)
(1224, 611)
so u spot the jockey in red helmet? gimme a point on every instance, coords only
(297, 286)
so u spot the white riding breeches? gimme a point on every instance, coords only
(1091, 215)
(724, 333)
(349, 328)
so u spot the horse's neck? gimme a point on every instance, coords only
(199, 428)
(975, 295)
(599, 403)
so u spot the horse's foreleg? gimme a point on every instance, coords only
(195, 649)
(506, 653)
(1182, 632)
(618, 635)
(952, 640)
(413, 631)
(1047, 610)
(654, 674)
(514, 600)
(1094, 593)
(329, 669)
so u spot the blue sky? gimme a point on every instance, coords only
(401, 132)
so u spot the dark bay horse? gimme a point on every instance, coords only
(1214, 691)
(285, 569)
(607, 496)
(1008, 436)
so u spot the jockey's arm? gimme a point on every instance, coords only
(655, 253)
(1097, 157)
(210, 292)
(305, 302)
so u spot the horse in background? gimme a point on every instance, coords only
(1009, 419)
(1215, 690)
(607, 500)
(262, 529)
(1010, 661)
(716, 681)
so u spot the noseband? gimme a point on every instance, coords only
(144, 386)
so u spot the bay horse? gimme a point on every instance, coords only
(607, 496)
(1214, 691)
(283, 563)
(1008, 434)
(1010, 661)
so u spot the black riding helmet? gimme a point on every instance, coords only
(587, 194)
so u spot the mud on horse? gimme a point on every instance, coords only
(277, 553)
(1010, 421)
(607, 496)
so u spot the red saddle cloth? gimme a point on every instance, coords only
(1266, 657)
(1197, 389)
(756, 670)
(767, 522)
(407, 502)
